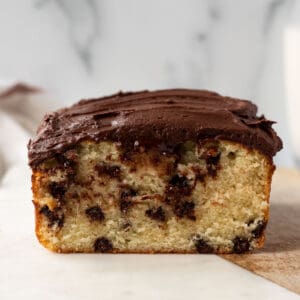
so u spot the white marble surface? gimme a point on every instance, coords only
(28, 271)
(78, 49)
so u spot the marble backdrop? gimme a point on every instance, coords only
(85, 48)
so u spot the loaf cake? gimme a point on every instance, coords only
(171, 171)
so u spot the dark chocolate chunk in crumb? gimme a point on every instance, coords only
(212, 158)
(185, 209)
(180, 182)
(95, 213)
(67, 162)
(128, 193)
(203, 247)
(67, 159)
(240, 245)
(176, 192)
(258, 231)
(157, 214)
(125, 196)
(54, 218)
(177, 188)
(103, 245)
(212, 168)
(57, 189)
(105, 169)
(125, 205)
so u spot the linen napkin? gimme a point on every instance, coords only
(21, 108)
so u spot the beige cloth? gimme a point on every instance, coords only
(21, 109)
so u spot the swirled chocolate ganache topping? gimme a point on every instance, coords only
(166, 116)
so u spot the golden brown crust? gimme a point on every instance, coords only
(271, 168)
(38, 218)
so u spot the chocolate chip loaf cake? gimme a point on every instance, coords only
(173, 171)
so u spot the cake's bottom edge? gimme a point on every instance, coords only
(222, 250)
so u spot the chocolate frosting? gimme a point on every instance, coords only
(164, 117)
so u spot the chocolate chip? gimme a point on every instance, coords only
(95, 213)
(212, 157)
(125, 205)
(57, 189)
(125, 202)
(177, 188)
(258, 231)
(240, 245)
(179, 181)
(212, 165)
(64, 161)
(157, 214)
(203, 247)
(176, 191)
(67, 162)
(103, 245)
(53, 217)
(111, 171)
(128, 193)
(185, 209)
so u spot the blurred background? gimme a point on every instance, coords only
(76, 49)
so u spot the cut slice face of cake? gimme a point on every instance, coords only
(172, 171)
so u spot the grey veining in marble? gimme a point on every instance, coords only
(83, 24)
